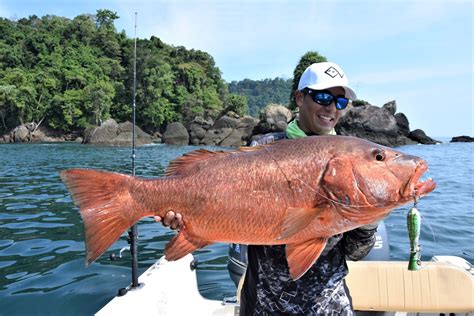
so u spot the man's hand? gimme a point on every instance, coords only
(171, 219)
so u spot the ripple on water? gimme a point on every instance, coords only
(43, 256)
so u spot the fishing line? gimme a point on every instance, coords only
(425, 219)
(415, 203)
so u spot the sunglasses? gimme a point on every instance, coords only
(325, 98)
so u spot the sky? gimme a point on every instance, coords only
(418, 53)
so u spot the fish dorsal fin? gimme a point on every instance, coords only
(302, 256)
(181, 165)
(296, 219)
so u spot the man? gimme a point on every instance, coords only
(323, 95)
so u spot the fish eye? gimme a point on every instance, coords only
(379, 155)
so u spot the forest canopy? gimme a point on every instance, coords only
(69, 74)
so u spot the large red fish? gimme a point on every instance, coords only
(295, 192)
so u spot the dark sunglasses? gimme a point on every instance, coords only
(325, 98)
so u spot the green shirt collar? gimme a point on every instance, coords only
(294, 131)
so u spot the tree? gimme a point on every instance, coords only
(237, 104)
(260, 93)
(305, 61)
(78, 72)
(105, 19)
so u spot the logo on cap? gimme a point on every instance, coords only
(332, 72)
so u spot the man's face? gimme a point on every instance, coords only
(315, 118)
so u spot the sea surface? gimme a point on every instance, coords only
(42, 268)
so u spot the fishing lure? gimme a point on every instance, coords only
(414, 227)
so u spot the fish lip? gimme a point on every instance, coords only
(416, 188)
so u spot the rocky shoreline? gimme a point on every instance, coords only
(382, 125)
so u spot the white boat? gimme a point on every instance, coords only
(444, 285)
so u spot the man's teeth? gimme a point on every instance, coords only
(324, 117)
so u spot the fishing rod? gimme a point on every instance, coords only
(133, 231)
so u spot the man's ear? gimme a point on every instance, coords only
(299, 97)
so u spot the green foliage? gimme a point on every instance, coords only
(237, 104)
(260, 93)
(74, 73)
(305, 61)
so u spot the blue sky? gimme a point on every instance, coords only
(418, 53)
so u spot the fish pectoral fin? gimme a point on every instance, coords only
(296, 218)
(182, 244)
(302, 256)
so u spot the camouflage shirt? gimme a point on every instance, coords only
(269, 290)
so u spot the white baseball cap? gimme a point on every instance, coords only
(325, 75)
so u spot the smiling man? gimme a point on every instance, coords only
(322, 97)
(321, 85)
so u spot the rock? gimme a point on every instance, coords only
(463, 138)
(127, 127)
(230, 130)
(176, 134)
(225, 122)
(420, 136)
(4, 139)
(79, 140)
(247, 125)
(273, 113)
(270, 116)
(403, 124)
(20, 134)
(234, 139)
(214, 137)
(374, 124)
(31, 126)
(391, 107)
(197, 129)
(111, 133)
(102, 135)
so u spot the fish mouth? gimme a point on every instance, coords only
(417, 188)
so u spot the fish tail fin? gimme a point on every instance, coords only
(106, 204)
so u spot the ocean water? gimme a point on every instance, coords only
(42, 268)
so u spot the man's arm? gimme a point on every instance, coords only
(359, 242)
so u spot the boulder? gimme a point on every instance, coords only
(403, 124)
(247, 125)
(230, 130)
(234, 139)
(141, 136)
(176, 134)
(20, 134)
(101, 135)
(225, 122)
(374, 124)
(214, 137)
(419, 136)
(110, 133)
(273, 118)
(197, 129)
(391, 107)
(5, 139)
(463, 139)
